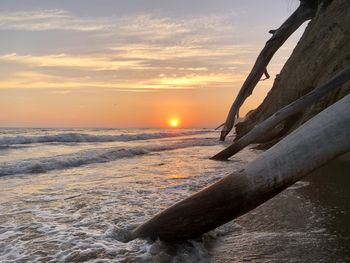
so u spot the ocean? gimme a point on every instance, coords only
(72, 195)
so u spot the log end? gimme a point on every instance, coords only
(199, 213)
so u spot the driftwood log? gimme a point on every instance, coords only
(304, 12)
(286, 112)
(313, 144)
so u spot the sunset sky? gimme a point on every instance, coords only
(134, 63)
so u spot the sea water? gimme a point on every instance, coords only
(73, 195)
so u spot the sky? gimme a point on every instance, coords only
(134, 63)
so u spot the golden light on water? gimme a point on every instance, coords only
(174, 122)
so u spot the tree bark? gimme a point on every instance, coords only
(318, 141)
(295, 107)
(303, 13)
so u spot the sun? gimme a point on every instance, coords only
(173, 122)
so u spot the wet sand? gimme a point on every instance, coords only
(309, 222)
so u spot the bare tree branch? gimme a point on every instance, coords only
(219, 126)
(303, 13)
(288, 111)
(267, 75)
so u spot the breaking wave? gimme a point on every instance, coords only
(81, 137)
(102, 155)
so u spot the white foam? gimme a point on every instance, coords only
(102, 155)
(82, 137)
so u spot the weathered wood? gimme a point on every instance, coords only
(318, 141)
(303, 13)
(295, 107)
(267, 75)
(219, 127)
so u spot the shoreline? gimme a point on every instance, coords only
(311, 216)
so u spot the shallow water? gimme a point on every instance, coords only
(72, 195)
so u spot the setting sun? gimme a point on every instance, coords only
(174, 122)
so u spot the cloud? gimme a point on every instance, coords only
(92, 62)
(146, 67)
(150, 53)
(61, 92)
(43, 20)
(137, 25)
(35, 79)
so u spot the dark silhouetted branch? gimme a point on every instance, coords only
(303, 13)
(284, 113)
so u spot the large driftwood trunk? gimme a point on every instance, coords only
(318, 141)
(322, 51)
(281, 115)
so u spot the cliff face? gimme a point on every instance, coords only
(323, 50)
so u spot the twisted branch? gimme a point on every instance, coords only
(303, 13)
